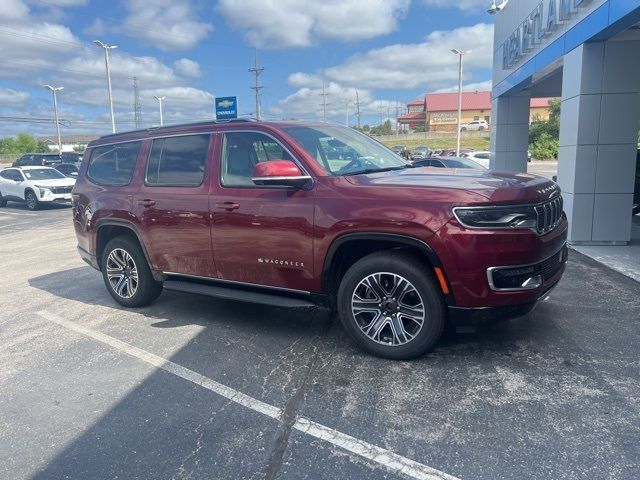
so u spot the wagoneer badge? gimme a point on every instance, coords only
(285, 263)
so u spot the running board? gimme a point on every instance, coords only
(228, 293)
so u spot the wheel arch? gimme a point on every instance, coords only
(349, 248)
(108, 229)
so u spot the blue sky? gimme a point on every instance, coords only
(390, 51)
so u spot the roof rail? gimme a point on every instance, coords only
(177, 125)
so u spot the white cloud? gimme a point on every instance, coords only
(37, 53)
(302, 80)
(13, 98)
(13, 9)
(299, 23)
(469, 87)
(460, 4)
(429, 63)
(187, 68)
(165, 24)
(307, 103)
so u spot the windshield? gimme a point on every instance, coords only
(344, 151)
(42, 174)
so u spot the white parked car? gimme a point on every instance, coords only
(34, 186)
(479, 157)
(475, 125)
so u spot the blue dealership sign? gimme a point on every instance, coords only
(226, 108)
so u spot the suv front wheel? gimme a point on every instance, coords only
(390, 306)
(127, 275)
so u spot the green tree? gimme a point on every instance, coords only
(26, 143)
(79, 148)
(42, 147)
(544, 135)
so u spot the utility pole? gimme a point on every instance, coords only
(160, 99)
(54, 91)
(346, 112)
(324, 102)
(358, 108)
(256, 70)
(106, 49)
(137, 108)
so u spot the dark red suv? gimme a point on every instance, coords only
(296, 214)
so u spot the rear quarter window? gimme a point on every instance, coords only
(114, 165)
(178, 161)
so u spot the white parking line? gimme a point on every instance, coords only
(379, 455)
(21, 214)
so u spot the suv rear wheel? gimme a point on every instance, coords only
(127, 275)
(390, 306)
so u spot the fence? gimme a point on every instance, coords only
(8, 158)
(432, 136)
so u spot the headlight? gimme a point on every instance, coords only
(43, 190)
(496, 217)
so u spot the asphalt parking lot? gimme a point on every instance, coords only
(195, 388)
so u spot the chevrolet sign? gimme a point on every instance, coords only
(543, 20)
(226, 108)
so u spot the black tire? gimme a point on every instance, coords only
(463, 129)
(31, 200)
(146, 288)
(480, 128)
(3, 202)
(404, 266)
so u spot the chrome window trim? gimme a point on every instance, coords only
(490, 271)
(235, 282)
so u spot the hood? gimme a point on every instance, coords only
(494, 185)
(55, 182)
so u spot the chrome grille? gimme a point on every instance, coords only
(549, 215)
(58, 190)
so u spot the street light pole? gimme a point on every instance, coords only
(460, 53)
(54, 90)
(106, 62)
(160, 99)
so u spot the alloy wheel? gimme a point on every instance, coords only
(388, 308)
(122, 273)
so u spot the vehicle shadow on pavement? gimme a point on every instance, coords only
(542, 393)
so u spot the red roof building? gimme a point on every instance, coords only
(441, 110)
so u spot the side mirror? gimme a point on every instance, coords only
(73, 174)
(280, 173)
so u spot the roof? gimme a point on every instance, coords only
(446, 102)
(33, 167)
(540, 102)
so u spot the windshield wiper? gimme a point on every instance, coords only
(375, 170)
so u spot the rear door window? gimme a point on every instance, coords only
(178, 161)
(114, 164)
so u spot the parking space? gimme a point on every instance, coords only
(193, 387)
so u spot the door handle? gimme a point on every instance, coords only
(147, 202)
(228, 206)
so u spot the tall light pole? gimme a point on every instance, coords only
(160, 99)
(54, 91)
(106, 62)
(460, 53)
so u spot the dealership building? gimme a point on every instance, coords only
(586, 52)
